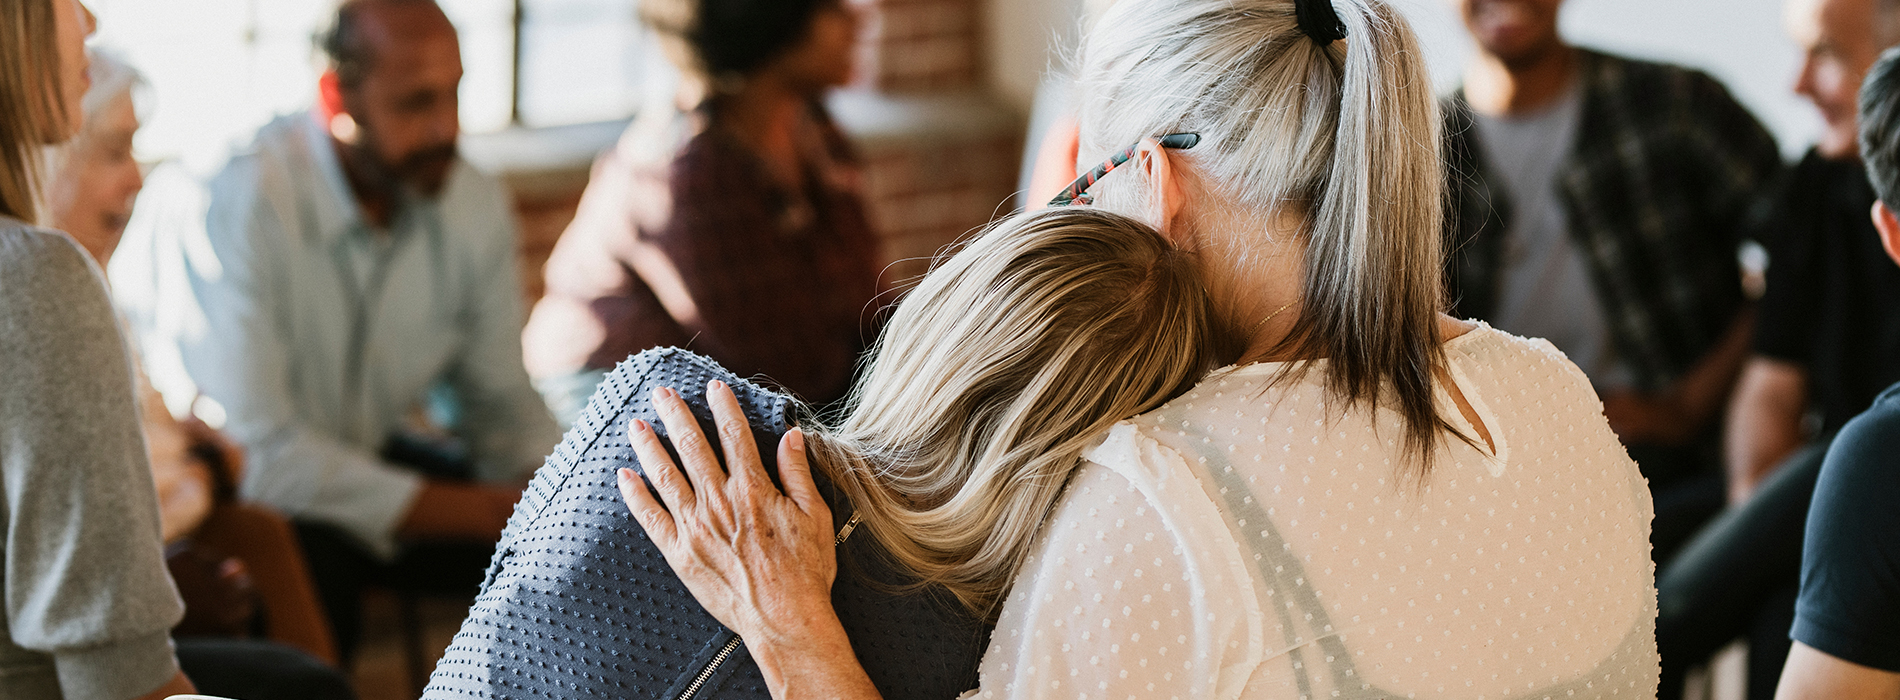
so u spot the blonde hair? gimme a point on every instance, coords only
(31, 107)
(1345, 134)
(995, 374)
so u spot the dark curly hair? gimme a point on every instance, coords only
(731, 38)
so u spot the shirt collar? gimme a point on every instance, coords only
(337, 212)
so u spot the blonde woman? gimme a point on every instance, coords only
(88, 602)
(1376, 501)
(993, 377)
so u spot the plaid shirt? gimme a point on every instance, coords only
(1655, 191)
(682, 238)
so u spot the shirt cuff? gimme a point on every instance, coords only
(125, 669)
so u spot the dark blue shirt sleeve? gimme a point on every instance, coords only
(1850, 566)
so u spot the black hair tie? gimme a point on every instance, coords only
(1319, 20)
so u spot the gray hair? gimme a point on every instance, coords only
(1345, 135)
(1880, 126)
(112, 78)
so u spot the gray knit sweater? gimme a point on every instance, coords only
(88, 604)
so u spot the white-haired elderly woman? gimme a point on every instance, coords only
(1374, 500)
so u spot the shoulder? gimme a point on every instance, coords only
(1866, 453)
(261, 176)
(1682, 93)
(43, 261)
(477, 208)
(1679, 95)
(475, 194)
(1495, 347)
(471, 186)
(1508, 367)
(1152, 579)
(1680, 80)
(278, 147)
(707, 153)
(55, 295)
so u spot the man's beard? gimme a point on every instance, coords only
(421, 174)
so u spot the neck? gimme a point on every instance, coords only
(1258, 290)
(1496, 86)
(374, 191)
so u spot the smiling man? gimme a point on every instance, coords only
(1827, 343)
(351, 269)
(1599, 202)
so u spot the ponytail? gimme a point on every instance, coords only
(1294, 120)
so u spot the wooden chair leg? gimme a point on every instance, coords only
(409, 607)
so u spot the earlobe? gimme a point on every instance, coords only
(1165, 196)
(1889, 227)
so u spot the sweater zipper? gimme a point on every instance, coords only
(732, 645)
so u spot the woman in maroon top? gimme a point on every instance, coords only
(730, 224)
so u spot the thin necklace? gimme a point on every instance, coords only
(1263, 323)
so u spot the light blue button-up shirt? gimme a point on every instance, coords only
(320, 334)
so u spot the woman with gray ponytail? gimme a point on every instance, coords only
(1375, 500)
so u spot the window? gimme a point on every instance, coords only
(219, 69)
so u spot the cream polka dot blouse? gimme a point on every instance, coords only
(1251, 540)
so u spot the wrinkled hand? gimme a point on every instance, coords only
(761, 561)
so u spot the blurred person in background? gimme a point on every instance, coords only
(88, 603)
(350, 270)
(1599, 202)
(1847, 621)
(729, 222)
(94, 182)
(1826, 344)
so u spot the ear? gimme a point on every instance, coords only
(333, 110)
(1889, 227)
(329, 96)
(1166, 196)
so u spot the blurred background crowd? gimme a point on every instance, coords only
(374, 259)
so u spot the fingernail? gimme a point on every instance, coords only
(715, 385)
(624, 474)
(639, 426)
(797, 438)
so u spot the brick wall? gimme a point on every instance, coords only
(920, 45)
(924, 196)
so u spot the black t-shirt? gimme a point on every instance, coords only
(1850, 566)
(1833, 299)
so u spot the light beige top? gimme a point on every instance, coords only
(1258, 541)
